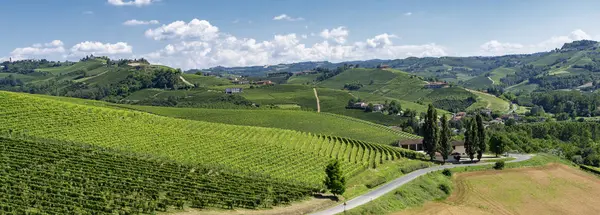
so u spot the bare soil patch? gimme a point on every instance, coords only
(551, 189)
(305, 207)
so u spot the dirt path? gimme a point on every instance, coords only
(318, 102)
(493, 82)
(185, 81)
(550, 189)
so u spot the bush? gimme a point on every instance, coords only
(445, 188)
(499, 165)
(376, 182)
(413, 167)
(447, 172)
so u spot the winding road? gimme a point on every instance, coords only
(389, 187)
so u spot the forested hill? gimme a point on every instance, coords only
(575, 65)
(90, 78)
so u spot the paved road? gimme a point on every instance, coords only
(365, 198)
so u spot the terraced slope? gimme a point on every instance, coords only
(283, 154)
(317, 123)
(49, 177)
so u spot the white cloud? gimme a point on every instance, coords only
(408, 14)
(39, 50)
(338, 34)
(88, 12)
(180, 30)
(140, 22)
(98, 48)
(287, 18)
(497, 48)
(137, 3)
(304, 36)
(228, 50)
(494, 47)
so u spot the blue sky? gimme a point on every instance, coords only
(201, 34)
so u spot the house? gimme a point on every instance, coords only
(377, 107)
(383, 66)
(233, 90)
(486, 111)
(360, 105)
(435, 85)
(265, 82)
(458, 147)
(241, 82)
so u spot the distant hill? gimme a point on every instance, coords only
(573, 65)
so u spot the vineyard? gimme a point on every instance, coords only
(318, 123)
(52, 177)
(278, 153)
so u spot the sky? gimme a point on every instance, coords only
(191, 34)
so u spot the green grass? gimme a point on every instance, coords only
(83, 66)
(490, 101)
(413, 194)
(205, 81)
(371, 178)
(479, 82)
(283, 154)
(302, 79)
(305, 121)
(427, 187)
(500, 73)
(522, 87)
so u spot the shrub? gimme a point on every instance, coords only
(447, 172)
(376, 182)
(445, 188)
(413, 167)
(499, 165)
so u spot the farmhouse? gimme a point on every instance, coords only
(265, 82)
(241, 82)
(360, 105)
(377, 107)
(233, 90)
(458, 146)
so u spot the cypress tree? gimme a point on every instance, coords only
(430, 132)
(481, 140)
(470, 139)
(445, 148)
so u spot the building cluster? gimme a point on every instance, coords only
(364, 105)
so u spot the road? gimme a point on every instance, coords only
(393, 185)
(318, 102)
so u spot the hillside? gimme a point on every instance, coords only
(242, 148)
(64, 177)
(394, 84)
(92, 77)
(305, 121)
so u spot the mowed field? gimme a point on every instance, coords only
(550, 189)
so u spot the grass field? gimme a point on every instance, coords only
(284, 154)
(205, 81)
(316, 123)
(552, 189)
(479, 82)
(499, 73)
(489, 101)
(302, 79)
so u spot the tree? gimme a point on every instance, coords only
(498, 143)
(369, 108)
(445, 148)
(430, 132)
(481, 144)
(335, 180)
(470, 139)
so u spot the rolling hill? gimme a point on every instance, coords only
(241, 148)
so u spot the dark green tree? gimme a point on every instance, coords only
(481, 140)
(470, 139)
(430, 132)
(498, 143)
(335, 180)
(445, 148)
